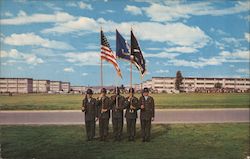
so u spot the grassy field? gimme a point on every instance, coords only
(191, 100)
(203, 141)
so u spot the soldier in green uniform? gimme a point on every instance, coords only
(132, 105)
(90, 109)
(117, 105)
(103, 114)
(147, 114)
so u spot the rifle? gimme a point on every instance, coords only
(85, 103)
(116, 102)
(102, 106)
(143, 100)
(131, 102)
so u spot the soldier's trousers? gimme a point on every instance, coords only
(90, 129)
(131, 128)
(145, 129)
(103, 128)
(117, 127)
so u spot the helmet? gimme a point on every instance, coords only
(103, 90)
(89, 91)
(146, 90)
(131, 90)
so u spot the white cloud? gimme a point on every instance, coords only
(52, 6)
(68, 69)
(32, 59)
(178, 10)
(107, 11)
(13, 53)
(133, 10)
(175, 34)
(8, 14)
(218, 31)
(83, 5)
(22, 13)
(232, 41)
(224, 57)
(161, 55)
(195, 64)
(24, 19)
(80, 24)
(237, 54)
(84, 74)
(184, 49)
(92, 46)
(162, 71)
(244, 71)
(153, 48)
(110, 11)
(83, 58)
(23, 57)
(247, 36)
(220, 45)
(33, 39)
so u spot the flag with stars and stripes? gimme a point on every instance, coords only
(107, 54)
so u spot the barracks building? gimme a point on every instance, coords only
(156, 84)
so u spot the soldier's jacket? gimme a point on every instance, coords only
(117, 110)
(105, 104)
(131, 114)
(149, 108)
(90, 109)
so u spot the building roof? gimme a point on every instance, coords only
(17, 78)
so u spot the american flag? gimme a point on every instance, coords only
(107, 54)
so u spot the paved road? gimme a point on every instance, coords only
(162, 116)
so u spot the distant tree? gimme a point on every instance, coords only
(218, 85)
(178, 80)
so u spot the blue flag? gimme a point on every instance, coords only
(122, 47)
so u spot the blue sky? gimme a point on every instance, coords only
(59, 40)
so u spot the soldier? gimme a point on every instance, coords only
(117, 104)
(103, 114)
(131, 114)
(147, 106)
(90, 109)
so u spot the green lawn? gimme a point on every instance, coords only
(201, 141)
(192, 100)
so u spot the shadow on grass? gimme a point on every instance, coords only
(160, 130)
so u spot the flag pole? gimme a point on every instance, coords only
(101, 62)
(141, 82)
(131, 58)
(116, 96)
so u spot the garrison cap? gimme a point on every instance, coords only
(131, 90)
(146, 90)
(103, 90)
(89, 91)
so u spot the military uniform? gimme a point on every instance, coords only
(147, 113)
(117, 104)
(103, 103)
(131, 116)
(90, 109)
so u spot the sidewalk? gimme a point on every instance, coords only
(163, 116)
